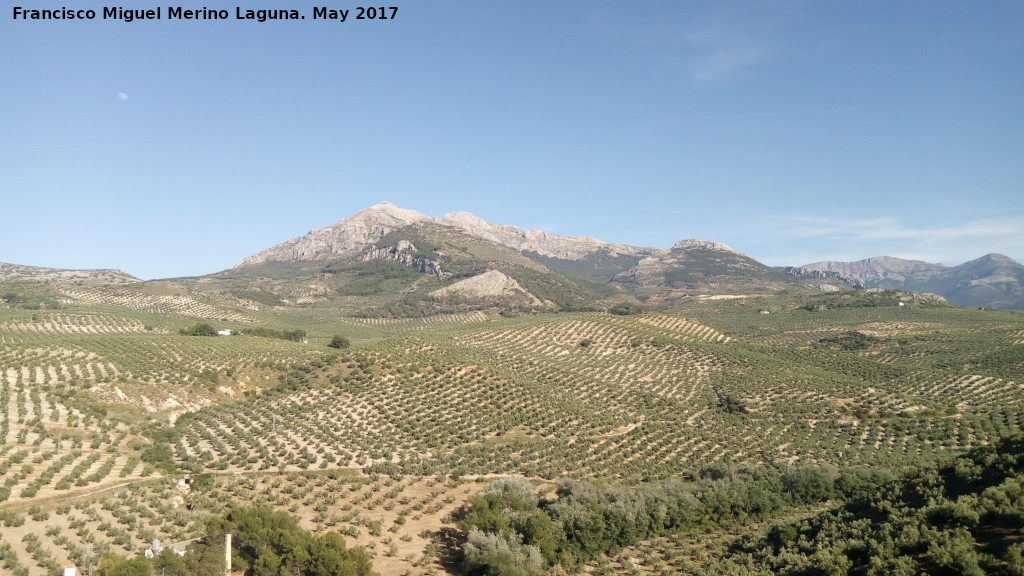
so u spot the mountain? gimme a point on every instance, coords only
(698, 266)
(390, 261)
(879, 272)
(573, 265)
(383, 250)
(993, 280)
(355, 233)
(364, 255)
(345, 237)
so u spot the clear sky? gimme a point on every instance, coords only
(793, 131)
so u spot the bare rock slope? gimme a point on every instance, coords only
(489, 285)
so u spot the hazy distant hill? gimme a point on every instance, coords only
(18, 273)
(993, 280)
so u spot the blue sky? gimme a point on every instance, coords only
(791, 131)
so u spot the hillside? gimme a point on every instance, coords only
(372, 379)
(109, 400)
(993, 280)
(700, 267)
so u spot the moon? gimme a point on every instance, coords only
(122, 95)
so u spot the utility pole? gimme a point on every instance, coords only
(227, 554)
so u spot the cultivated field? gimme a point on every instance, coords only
(104, 407)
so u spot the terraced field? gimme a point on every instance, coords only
(104, 406)
(604, 396)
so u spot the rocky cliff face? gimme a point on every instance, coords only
(404, 253)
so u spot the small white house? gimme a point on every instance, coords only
(69, 571)
(224, 332)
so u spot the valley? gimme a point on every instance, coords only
(694, 371)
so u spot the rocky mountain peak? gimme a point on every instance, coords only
(344, 237)
(472, 224)
(694, 244)
(387, 211)
(996, 259)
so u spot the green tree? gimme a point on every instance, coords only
(339, 341)
(200, 329)
(134, 567)
(168, 563)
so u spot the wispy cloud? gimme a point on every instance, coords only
(721, 52)
(749, 115)
(950, 243)
(891, 228)
(707, 43)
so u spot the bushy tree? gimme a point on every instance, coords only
(270, 543)
(501, 555)
(339, 341)
(200, 329)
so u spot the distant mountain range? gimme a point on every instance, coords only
(403, 262)
(993, 280)
(651, 273)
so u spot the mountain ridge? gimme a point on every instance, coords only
(993, 280)
(353, 233)
(568, 272)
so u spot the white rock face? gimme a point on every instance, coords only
(693, 243)
(490, 284)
